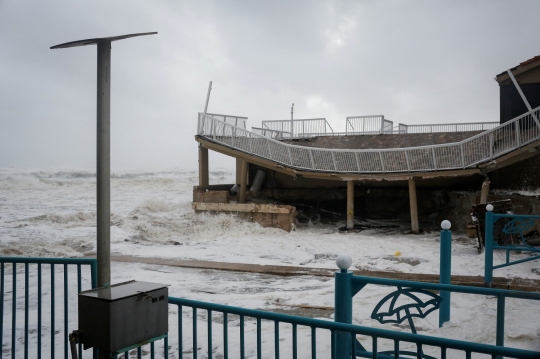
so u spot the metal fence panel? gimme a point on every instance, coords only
(323, 160)
(479, 148)
(43, 293)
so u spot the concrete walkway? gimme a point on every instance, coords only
(528, 285)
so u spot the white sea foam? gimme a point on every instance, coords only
(51, 213)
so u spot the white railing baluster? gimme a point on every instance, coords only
(407, 160)
(356, 155)
(290, 156)
(312, 160)
(269, 149)
(334, 160)
(491, 145)
(518, 137)
(474, 150)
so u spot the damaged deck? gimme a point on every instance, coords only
(267, 215)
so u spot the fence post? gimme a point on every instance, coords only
(488, 247)
(445, 270)
(343, 305)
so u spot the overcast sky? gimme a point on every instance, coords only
(412, 61)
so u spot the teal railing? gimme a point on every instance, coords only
(37, 290)
(220, 331)
(347, 285)
(516, 225)
(319, 338)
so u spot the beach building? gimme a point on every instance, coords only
(378, 168)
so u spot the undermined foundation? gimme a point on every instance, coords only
(282, 198)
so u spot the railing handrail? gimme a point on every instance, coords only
(452, 124)
(387, 149)
(90, 261)
(296, 120)
(318, 122)
(466, 159)
(232, 116)
(30, 300)
(268, 129)
(357, 329)
(448, 287)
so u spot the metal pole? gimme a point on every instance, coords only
(488, 249)
(500, 320)
(343, 311)
(518, 88)
(445, 271)
(208, 96)
(292, 123)
(103, 162)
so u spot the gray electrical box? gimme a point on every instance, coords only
(122, 315)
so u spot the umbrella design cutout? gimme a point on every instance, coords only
(406, 304)
(518, 226)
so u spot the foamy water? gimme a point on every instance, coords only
(51, 213)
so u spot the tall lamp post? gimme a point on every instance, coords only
(103, 159)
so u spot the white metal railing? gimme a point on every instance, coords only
(480, 148)
(298, 128)
(237, 121)
(448, 127)
(368, 125)
(276, 134)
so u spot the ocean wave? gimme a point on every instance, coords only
(182, 225)
(70, 218)
(21, 179)
(39, 248)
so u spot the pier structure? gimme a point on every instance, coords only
(306, 160)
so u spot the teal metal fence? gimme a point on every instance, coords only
(348, 285)
(40, 285)
(306, 337)
(516, 225)
(207, 330)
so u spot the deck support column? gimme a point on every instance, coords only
(243, 182)
(414, 206)
(350, 204)
(238, 171)
(485, 191)
(203, 166)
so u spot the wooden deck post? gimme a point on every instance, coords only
(238, 170)
(203, 166)
(350, 204)
(485, 191)
(414, 206)
(243, 182)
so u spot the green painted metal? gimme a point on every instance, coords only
(317, 328)
(500, 294)
(149, 341)
(518, 225)
(445, 274)
(28, 283)
(332, 328)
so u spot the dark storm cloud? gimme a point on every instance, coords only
(413, 61)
